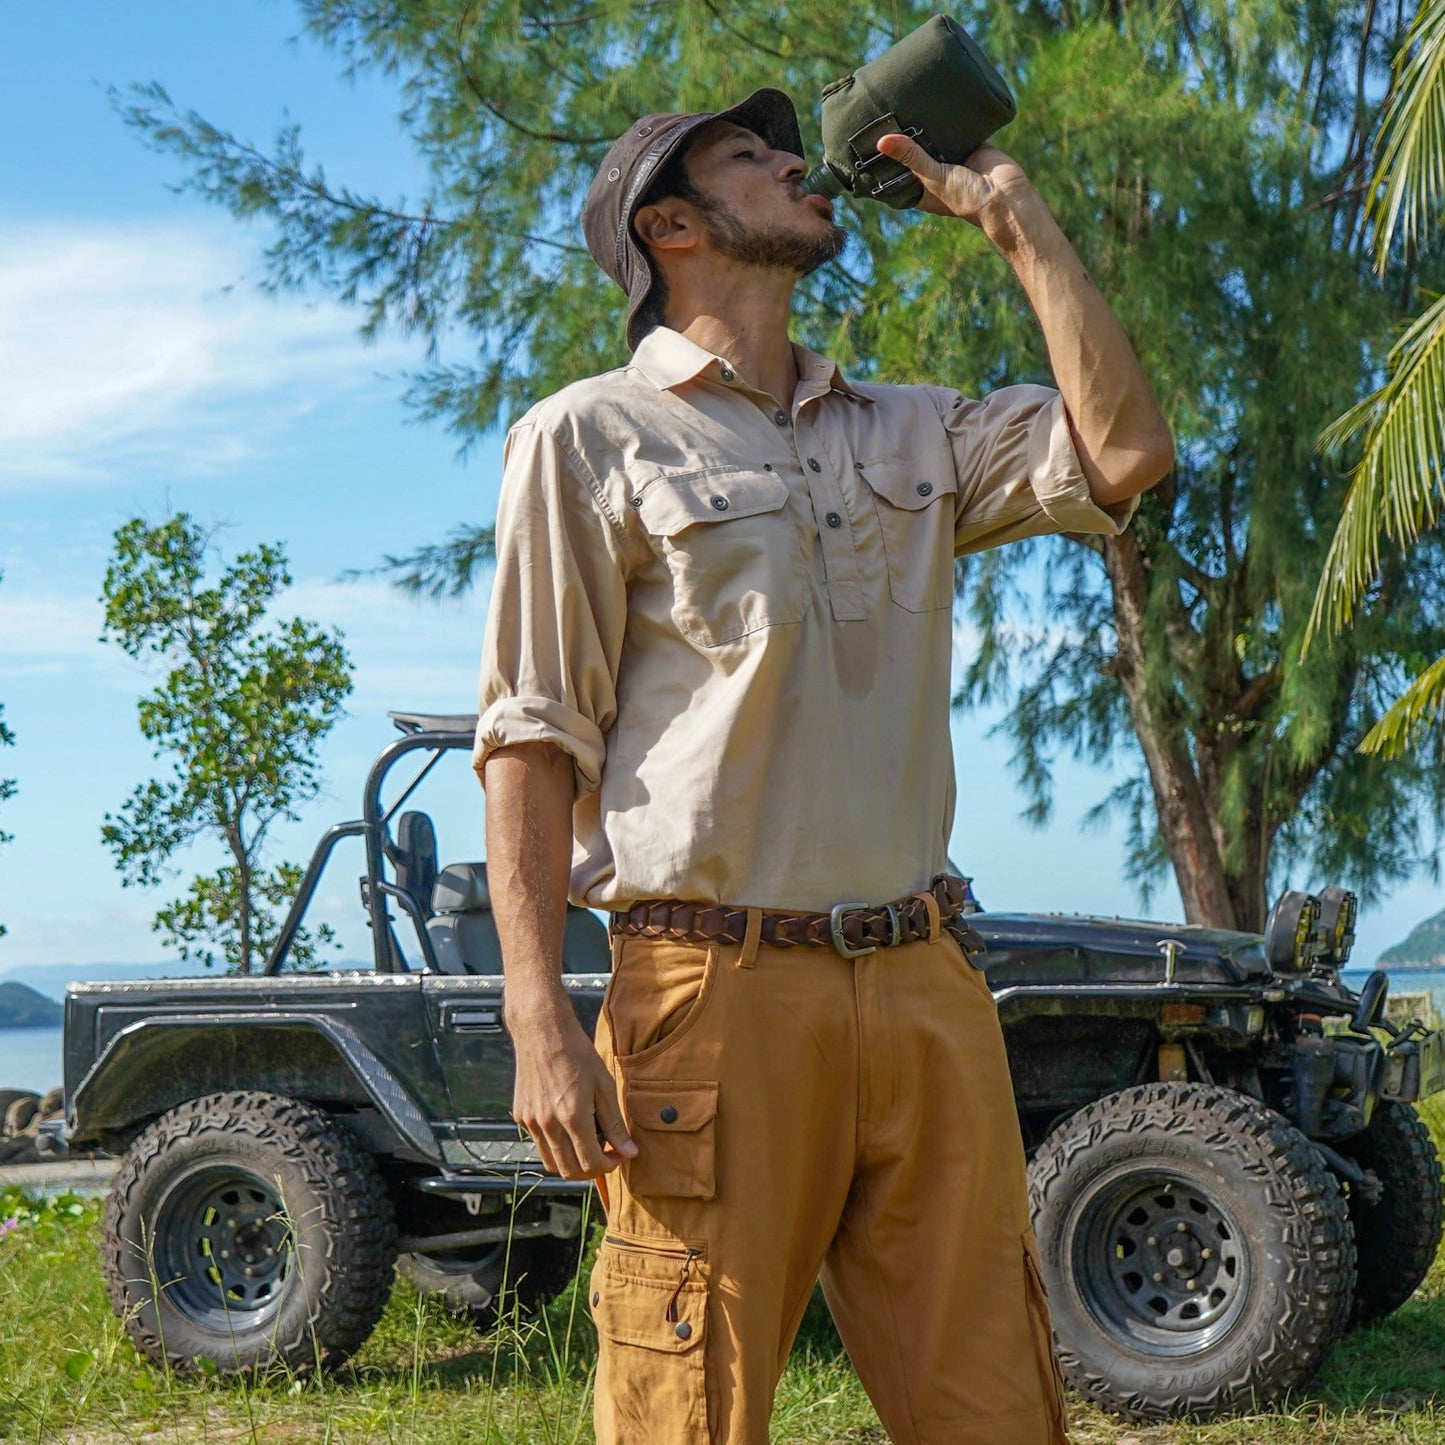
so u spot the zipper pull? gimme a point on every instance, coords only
(670, 1314)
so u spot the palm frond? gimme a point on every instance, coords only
(1411, 160)
(1396, 491)
(1421, 706)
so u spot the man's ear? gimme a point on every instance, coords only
(668, 226)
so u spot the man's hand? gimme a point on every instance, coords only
(985, 189)
(564, 1097)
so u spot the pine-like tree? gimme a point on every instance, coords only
(1209, 161)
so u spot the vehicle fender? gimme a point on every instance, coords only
(154, 1064)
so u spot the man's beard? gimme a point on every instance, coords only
(769, 248)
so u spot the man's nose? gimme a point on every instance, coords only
(790, 167)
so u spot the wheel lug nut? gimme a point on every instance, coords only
(225, 1254)
(1188, 1283)
(1158, 1279)
(1151, 1241)
(1181, 1228)
(1206, 1254)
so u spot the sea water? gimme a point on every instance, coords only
(30, 1059)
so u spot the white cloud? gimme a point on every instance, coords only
(132, 345)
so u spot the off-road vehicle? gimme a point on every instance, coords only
(1226, 1168)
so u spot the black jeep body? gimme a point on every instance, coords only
(1226, 1170)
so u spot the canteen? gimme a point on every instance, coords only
(936, 86)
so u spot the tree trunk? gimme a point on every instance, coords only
(1184, 814)
(243, 903)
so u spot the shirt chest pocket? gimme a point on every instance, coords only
(914, 496)
(732, 549)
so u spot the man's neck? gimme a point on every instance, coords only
(751, 331)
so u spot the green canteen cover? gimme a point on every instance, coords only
(935, 85)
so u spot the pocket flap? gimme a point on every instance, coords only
(645, 1299)
(912, 482)
(668, 504)
(671, 1108)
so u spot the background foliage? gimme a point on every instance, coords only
(238, 717)
(1210, 159)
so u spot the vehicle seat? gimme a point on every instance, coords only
(464, 932)
(414, 858)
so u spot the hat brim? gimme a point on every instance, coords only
(767, 112)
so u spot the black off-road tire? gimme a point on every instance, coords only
(487, 1282)
(250, 1230)
(1395, 1239)
(1197, 1251)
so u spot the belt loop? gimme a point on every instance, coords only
(617, 941)
(935, 917)
(752, 937)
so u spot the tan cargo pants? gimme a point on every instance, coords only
(795, 1112)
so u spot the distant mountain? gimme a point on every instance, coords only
(23, 1008)
(1424, 948)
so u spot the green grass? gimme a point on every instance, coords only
(68, 1373)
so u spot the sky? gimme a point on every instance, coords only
(143, 370)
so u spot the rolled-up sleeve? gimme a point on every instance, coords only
(1018, 473)
(558, 610)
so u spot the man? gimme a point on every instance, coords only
(715, 701)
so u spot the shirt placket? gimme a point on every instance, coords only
(830, 510)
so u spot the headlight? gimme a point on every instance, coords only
(1338, 907)
(1288, 933)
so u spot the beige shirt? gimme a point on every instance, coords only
(737, 619)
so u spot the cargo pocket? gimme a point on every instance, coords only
(675, 1125)
(914, 497)
(1051, 1377)
(649, 1303)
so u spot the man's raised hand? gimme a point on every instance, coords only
(988, 181)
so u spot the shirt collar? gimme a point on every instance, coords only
(667, 358)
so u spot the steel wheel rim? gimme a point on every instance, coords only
(223, 1247)
(1157, 1262)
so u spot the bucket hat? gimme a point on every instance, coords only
(634, 161)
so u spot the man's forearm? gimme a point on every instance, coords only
(529, 860)
(562, 1095)
(1119, 431)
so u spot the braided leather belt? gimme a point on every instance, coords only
(852, 929)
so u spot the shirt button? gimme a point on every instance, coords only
(767, 466)
(781, 417)
(813, 462)
(668, 1114)
(833, 519)
(728, 374)
(720, 504)
(924, 488)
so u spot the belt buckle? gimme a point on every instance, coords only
(835, 921)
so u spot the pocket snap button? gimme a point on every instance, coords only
(814, 464)
(833, 519)
(682, 1330)
(720, 504)
(728, 374)
(668, 1114)
(613, 174)
(924, 488)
